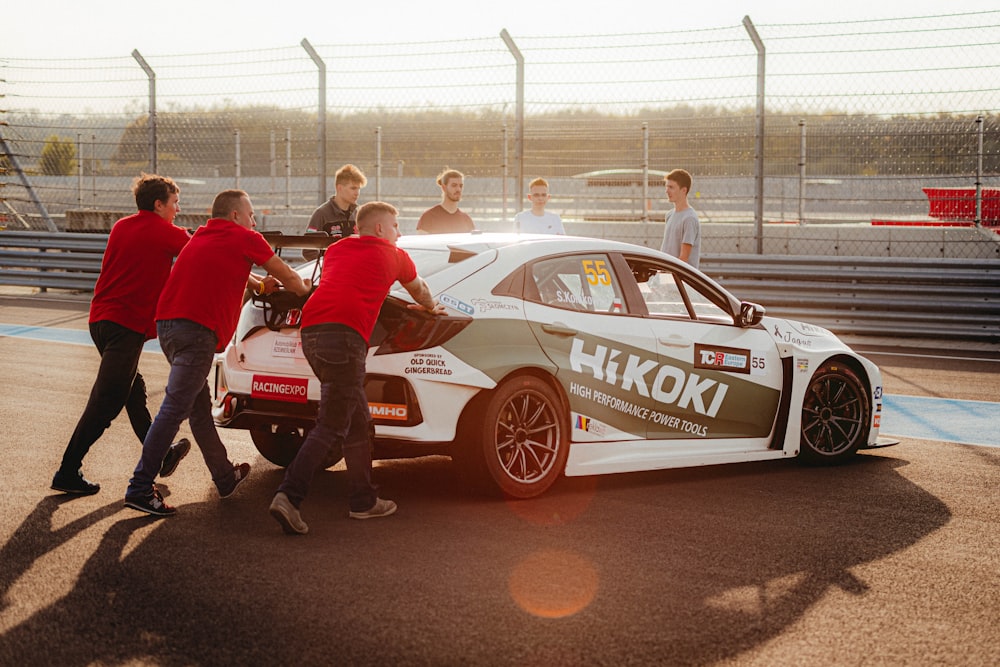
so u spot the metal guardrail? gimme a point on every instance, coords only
(70, 261)
(877, 296)
(899, 297)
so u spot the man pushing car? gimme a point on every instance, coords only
(195, 318)
(337, 323)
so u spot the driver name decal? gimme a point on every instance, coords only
(276, 388)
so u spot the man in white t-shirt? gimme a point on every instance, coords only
(682, 235)
(536, 220)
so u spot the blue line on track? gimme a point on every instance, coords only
(54, 335)
(967, 422)
(949, 420)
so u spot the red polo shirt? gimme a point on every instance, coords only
(136, 264)
(207, 282)
(357, 274)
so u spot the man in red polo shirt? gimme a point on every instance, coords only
(337, 323)
(196, 317)
(140, 250)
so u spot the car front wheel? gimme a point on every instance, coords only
(836, 415)
(523, 437)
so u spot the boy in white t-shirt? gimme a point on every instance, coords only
(535, 220)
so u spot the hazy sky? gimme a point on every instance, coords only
(113, 28)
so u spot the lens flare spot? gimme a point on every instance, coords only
(553, 584)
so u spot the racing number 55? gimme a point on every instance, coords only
(596, 272)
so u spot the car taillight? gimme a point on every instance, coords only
(420, 333)
(229, 404)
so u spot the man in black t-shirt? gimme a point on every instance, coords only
(337, 216)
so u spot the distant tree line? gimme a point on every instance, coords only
(558, 144)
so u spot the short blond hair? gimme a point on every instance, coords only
(226, 202)
(371, 210)
(538, 181)
(350, 174)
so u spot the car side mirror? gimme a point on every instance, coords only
(750, 314)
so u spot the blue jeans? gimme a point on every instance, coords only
(337, 355)
(118, 385)
(190, 349)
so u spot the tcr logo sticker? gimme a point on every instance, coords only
(721, 358)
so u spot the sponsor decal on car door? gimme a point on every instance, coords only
(581, 329)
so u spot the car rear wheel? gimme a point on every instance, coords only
(522, 441)
(279, 443)
(836, 415)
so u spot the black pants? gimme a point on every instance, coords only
(118, 385)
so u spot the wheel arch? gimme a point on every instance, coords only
(857, 367)
(839, 364)
(473, 408)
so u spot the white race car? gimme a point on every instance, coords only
(562, 355)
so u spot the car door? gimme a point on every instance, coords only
(576, 309)
(716, 383)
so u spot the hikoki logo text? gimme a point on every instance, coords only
(670, 385)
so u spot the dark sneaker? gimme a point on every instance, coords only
(381, 507)
(240, 473)
(151, 504)
(74, 483)
(287, 514)
(177, 451)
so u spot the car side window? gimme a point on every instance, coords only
(704, 308)
(662, 295)
(580, 282)
(669, 294)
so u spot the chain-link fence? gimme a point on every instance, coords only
(865, 123)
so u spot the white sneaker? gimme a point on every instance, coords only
(381, 507)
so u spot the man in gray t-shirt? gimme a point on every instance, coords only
(682, 234)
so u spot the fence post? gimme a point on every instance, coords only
(758, 213)
(645, 172)
(93, 171)
(518, 113)
(152, 106)
(503, 169)
(237, 168)
(378, 163)
(274, 165)
(321, 66)
(288, 170)
(79, 169)
(802, 170)
(979, 172)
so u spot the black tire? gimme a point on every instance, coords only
(521, 442)
(279, 443)
(836, 416)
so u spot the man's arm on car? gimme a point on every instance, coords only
(421, 293)
(289, 279)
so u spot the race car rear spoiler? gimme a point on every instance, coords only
(320, 240)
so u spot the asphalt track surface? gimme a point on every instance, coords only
(893, 559)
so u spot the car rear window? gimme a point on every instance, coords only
(431, 260)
